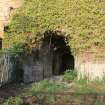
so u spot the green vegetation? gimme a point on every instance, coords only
(97, 103)
(83, 24)
(46, 92)
(46, 86)
(69, 75)
(83, 21)
(16, 47)
(14, 101)
(83, 85)
(78, 86)
(42, 91)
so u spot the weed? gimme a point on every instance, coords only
(14, 101)
(97, 103)
(46, 86)
(69, 75)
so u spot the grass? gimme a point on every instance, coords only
(46, 86)
(84, 86)
(97, 103)
(14, 101)
(45, 91)
(69, 75)
(37, 90)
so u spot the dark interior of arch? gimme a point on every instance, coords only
(61, 52)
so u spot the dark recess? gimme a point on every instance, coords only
(0, 43)
(62, 56)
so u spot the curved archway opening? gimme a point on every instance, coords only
(62, 58)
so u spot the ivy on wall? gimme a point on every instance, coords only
(82, 20)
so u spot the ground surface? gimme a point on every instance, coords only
(13, 90)
(62, 98)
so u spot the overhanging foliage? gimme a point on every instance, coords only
(82, 20)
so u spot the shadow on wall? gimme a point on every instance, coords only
(17, 72)
(53, 57)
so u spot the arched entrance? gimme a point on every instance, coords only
(59, 54)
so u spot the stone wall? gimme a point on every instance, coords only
(32, 69)
(38, 65)
(90, 66)
(5, 8)
(5, 68)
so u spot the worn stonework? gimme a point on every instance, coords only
(5, 8)
(5, 68)
(37, 67)
(90, 66)
(32, 69)
(51, 58)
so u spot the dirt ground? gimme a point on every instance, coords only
(9, 90)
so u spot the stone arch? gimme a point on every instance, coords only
(57, 54)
